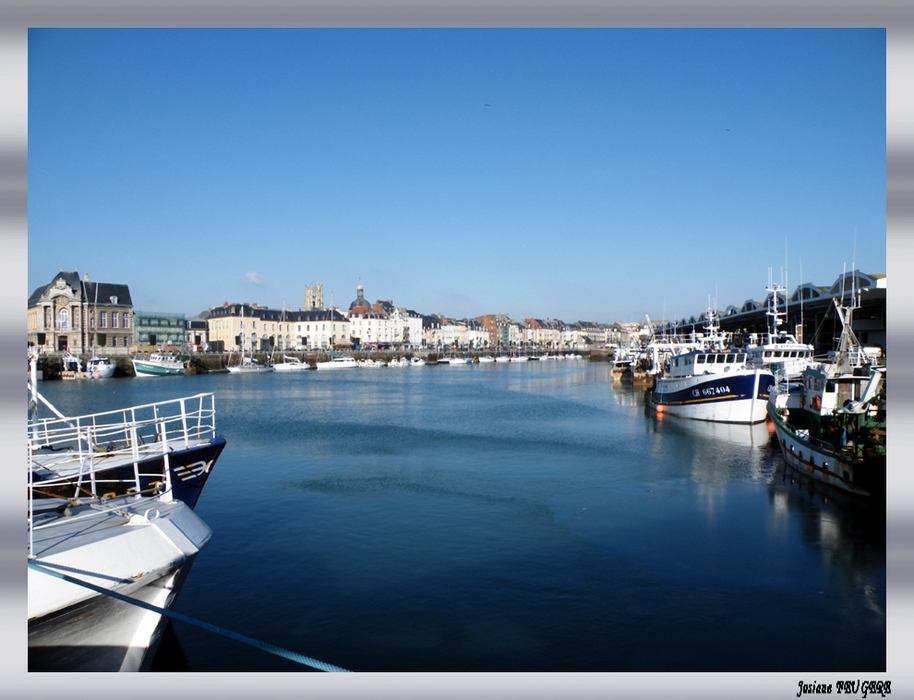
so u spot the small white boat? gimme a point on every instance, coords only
(100, 368)
(398, 362)
(338, 363)
(249, 366)
(71, 363)
(483, 359)
(415, 361)
(520, 358)
(370, 364)
(290, 364)
(502, 358)
(158, 365)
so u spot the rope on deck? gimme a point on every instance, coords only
(264, 646)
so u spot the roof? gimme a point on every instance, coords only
(89, 292)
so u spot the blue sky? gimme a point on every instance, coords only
(575, 174)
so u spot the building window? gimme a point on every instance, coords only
(103, 319)
(63, 320)
(114, 319)
(126, 320)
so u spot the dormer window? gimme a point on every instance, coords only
(113, 300)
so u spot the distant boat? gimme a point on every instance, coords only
(338, 363)
(486, 358)
(158, 365)
(100, 368)
(371, 364)
(290, 364)
(415, 361)
(71, 363)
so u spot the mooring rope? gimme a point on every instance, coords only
(264, 646)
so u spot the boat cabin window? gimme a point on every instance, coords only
(700, 359)
(721, 359)
(740, 357)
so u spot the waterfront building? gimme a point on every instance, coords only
(154, 330)
(431, 331)
(196, 338)
(265, 329)
(80, 316)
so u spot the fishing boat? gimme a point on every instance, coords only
(778, 350)
(290, 364)
(110, 543)
(712, 382)
(158, 365)
(100, 368)
(415, 361)
(70, 363)
(830, 423)
(337, 363)
(95, 455)
(398, 362)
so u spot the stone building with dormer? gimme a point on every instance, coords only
(80, 316)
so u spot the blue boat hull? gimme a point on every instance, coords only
(740, 396)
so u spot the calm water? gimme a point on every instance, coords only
(516, 517)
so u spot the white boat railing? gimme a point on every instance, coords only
(77, 451)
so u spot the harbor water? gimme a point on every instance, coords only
(508, 517)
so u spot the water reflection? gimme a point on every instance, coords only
(847, 531)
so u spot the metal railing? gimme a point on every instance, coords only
(97, 455)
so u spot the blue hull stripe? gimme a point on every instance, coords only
(715, 389)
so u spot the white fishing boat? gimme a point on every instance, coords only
(713, 383)
(71, 363)
(158, 365)
(777, 349)
(290, 364)
(106, 530)
(337, 363)
(831, 423)
(100, 368)
(415, 361)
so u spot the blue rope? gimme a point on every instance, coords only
(264, 646)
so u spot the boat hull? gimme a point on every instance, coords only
(139, 548)
(100, 370)
(816, 460)
(740, 396)
(144, 368)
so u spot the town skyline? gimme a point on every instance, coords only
(614, 173)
